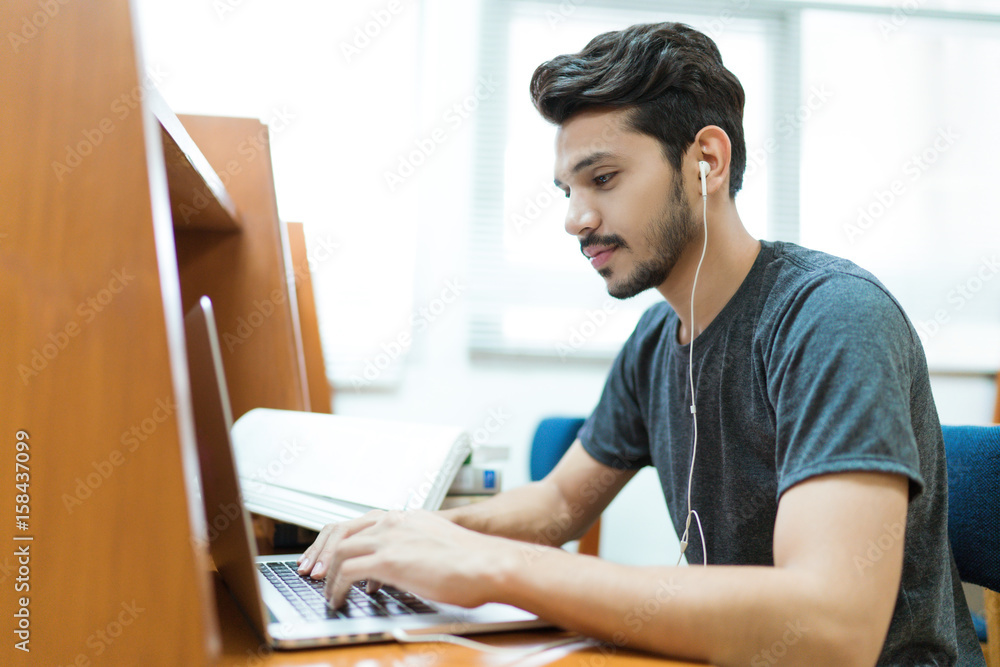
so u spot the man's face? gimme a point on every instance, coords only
(627, 205)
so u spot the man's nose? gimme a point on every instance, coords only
(581, 217)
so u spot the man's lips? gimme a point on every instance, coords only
(599, 255)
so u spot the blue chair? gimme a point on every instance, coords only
(973, 454)
(553, 437)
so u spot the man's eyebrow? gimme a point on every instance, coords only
(594, 157)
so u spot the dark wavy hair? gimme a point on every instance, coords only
(669, 74)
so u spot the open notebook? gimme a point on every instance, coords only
(310, 469)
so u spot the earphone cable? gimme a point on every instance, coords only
(694, 414)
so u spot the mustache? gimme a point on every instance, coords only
(609, 240)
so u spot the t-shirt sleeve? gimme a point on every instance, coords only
(839, 381)
(615, 433)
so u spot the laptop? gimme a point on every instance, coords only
(289, 611)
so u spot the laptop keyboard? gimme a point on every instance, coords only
(306, 595)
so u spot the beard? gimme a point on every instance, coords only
(667, 235)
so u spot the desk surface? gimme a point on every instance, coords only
(242, 648)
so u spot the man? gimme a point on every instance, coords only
(816, 474)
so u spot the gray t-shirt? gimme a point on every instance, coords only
(811, 368)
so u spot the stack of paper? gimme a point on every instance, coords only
(311, 469)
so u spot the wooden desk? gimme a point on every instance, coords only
(242, 648)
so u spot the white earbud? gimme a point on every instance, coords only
(704, 168)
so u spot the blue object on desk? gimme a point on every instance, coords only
(980, 624)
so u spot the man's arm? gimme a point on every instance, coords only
(827, 601)
(551, 511)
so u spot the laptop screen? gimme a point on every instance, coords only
(230, 533)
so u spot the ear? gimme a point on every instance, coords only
(711, 145)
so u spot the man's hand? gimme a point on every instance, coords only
(415, 551)
(316, 559)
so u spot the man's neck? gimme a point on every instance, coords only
(729, 258)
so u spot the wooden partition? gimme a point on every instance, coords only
(996, 409)
(117, 216)
(92, 357)
(320, 392)
(246, 271)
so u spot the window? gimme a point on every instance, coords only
(889, 169)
